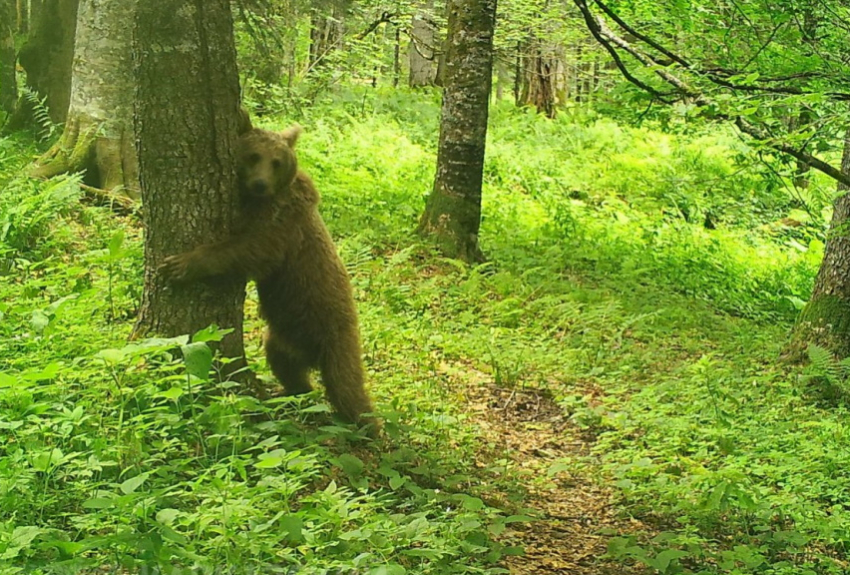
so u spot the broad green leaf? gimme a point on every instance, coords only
(198, 358)
(133, 483)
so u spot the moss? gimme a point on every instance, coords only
(445, 221)
(825, 321)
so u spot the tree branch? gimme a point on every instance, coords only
(809, 159)
(643, 37)
(714, 75)
(386, 18)
(593, 26)
(606, 37)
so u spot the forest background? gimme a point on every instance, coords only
(639, 368)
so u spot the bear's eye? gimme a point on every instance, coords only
(253, 158)
(277, 164)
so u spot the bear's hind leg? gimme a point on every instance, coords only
(342, 374)
(289, 367)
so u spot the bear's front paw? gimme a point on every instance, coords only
(177, 269)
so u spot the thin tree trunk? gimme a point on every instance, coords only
(35, 11)
(187, 118)
(23, 9)
(518, 75)
(421, 53)
(397, 57)
(453, 212)
(47, 58)
(326, 33)
(502, 78)
(825, 320)
(8, 81)
(98, 137)
(578, 84)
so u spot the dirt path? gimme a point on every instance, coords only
(575, 513)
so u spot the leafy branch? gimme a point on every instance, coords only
(682, 90)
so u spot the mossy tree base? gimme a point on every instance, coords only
(825, 322)
(109, 163)
(444, 223)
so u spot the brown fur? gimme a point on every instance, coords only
(305, 293)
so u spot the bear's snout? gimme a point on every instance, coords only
(258, 187)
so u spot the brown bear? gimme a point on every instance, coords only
(281, 242)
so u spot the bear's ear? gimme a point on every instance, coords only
(243, 125)
(291, 134)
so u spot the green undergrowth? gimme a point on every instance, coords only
(658, 337)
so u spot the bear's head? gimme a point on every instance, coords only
(267, 163)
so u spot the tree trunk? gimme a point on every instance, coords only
(397, 57)
(23, 10)
(8, 81)
(35, 11)
(186, 113)
(325, 36)
(421, 54)
(518, 73)
(538, 86)
(98, 136)
(453, 211)
(825, 321)
(47, 58)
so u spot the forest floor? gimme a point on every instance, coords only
(573, 513)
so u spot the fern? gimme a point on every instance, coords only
(41, 113)
(824, 365)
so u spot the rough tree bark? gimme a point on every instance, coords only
(98, 136)
(421, 54)
(47, 57)
(825, 321)
(538, 74)
(8, 82)
(453, 211)
(187, 118)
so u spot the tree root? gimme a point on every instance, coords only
(109, 162)
(118, 203)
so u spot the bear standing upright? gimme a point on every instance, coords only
(281, 242)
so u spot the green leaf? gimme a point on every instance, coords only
(111, 356)
(7, 380)
(167, 516)
(133, 483)
(49, 372)
(293, 526)
(559, 466)
(39, 321)
(115, 243)
(389, 569)
(352, 465)
(171, 394)
(211, 333)
(23, 536)
(268, 461)
(198, 358)
(98, 503)
(471, 503)
(663, 559)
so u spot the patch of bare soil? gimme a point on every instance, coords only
(575, 513)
